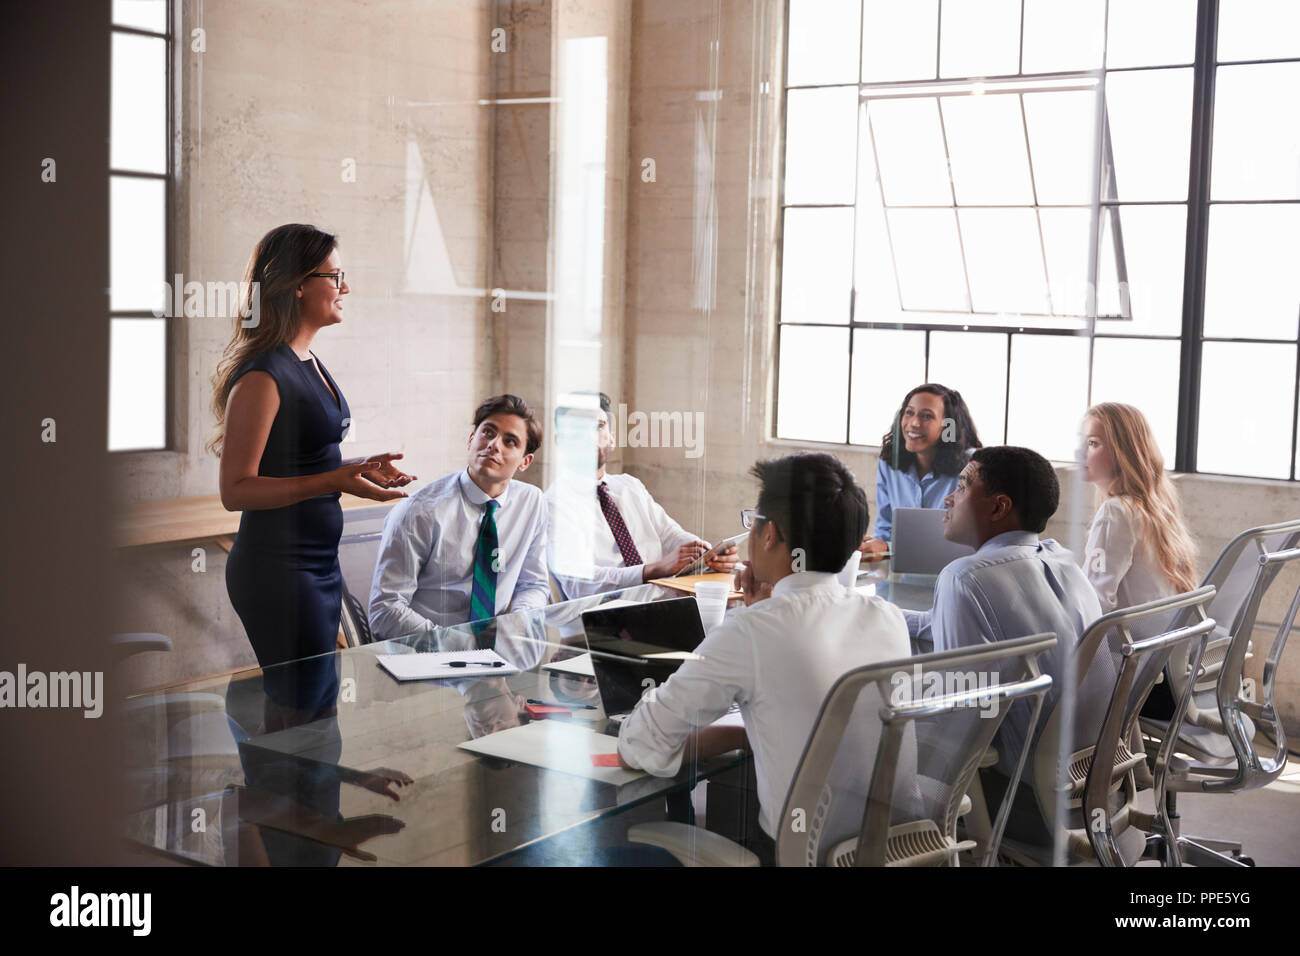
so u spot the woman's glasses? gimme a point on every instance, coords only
(336, 276)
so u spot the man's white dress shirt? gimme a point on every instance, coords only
(778, 659)
(1015, 585)
(425, 570)
(585, 558)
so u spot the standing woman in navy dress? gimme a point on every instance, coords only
(280, 418)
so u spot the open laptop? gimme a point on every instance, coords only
(633, 644)
(918, 545)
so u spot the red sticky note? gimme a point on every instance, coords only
(604, 760)
(545, 711)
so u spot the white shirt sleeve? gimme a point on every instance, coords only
(1109, 552)
(563, 530)
(404, 549)
(602, 580)
(533, 588)
(653, 737)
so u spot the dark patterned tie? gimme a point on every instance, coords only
(626, 547)
(483, 593)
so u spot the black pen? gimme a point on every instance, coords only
(550, 703)
(475, 663)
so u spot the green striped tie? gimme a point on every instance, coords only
(483, 594)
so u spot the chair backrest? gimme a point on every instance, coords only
(932, 717)
(1244, 572)
(1112, 673)
(354, 621)
(358, 554)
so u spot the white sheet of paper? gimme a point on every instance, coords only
(433, 665)
(554, 745)
(580, 665)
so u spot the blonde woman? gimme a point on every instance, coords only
(1138, 547)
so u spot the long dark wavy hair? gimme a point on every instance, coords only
(952, 456)
(280, 261)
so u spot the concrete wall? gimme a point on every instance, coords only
(271, 113)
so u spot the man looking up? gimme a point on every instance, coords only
(472, 543)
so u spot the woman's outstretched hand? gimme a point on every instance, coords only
(384, 473)
(352, 480)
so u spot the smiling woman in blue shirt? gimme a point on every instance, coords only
(921, 456)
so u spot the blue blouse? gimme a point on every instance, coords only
(903, 489)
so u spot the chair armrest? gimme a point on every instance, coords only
(692, 846)
(128, 644)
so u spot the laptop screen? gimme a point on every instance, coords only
(918, 545)
(635, 647)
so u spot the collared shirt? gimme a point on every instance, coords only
(1015, 585)
(1119, 563)
(904, 489)
(778, 659)
(584, 557)
(425, 569)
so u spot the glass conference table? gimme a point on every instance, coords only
(299, 764)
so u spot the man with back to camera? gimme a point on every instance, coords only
(636, 540)
(800, 631)
(471, 543)
(1014, 585)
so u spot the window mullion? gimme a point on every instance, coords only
(1198, 210)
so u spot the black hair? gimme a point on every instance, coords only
(816, 505)
(1024, 476)
(950, 458)
(512, 405)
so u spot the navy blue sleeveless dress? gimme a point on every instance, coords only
(283, 573)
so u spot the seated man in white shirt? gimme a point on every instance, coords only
(800, 631)
(1014, 585)
(635, 539)
(472, 543)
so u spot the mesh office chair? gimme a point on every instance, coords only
(1214, 750)
(358, 554)
(1094, 787)
(933, 717)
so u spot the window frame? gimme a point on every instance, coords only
(1197, 203)
(168, 178)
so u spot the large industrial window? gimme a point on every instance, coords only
(1045, 205)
